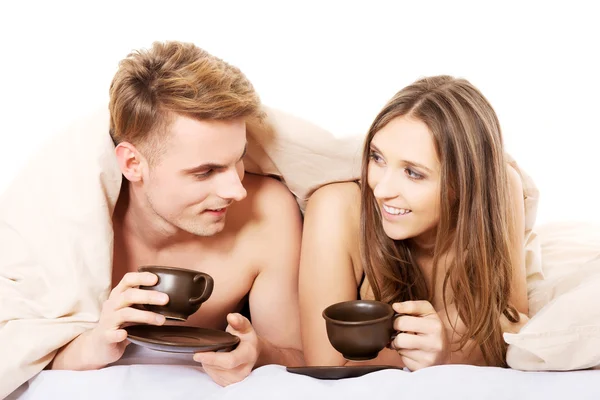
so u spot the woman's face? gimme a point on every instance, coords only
(404, 175)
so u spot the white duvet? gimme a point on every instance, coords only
(138, 376)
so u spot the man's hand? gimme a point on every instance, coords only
(234, 366)
(106, 342)
(108, 335)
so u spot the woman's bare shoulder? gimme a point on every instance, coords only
(341, 195)
(336, 204)
(333, 215)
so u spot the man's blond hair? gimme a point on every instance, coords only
(173, 78)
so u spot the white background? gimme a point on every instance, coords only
(333, 62)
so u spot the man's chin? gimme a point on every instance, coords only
(207, 229)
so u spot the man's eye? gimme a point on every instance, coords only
(204, 174)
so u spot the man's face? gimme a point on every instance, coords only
(198, 175)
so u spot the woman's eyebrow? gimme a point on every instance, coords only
(407, 162)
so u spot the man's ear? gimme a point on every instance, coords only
(130, 161)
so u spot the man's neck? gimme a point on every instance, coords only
(139, 222)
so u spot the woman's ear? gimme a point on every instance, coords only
(130, 161)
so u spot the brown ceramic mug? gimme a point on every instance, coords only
(187, 290)
(360, 329)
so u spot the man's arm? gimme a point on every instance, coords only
(105, 343)
(273, 244)
(74, 356)
(274, 296)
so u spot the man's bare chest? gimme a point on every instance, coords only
(233, 273)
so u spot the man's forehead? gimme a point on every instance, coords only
(193, 142)
(210, 136)
(185, 128)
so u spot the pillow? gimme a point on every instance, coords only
(564, 330)
(300, 152)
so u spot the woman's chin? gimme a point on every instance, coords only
(394, 233)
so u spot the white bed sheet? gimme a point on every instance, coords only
(153, 375)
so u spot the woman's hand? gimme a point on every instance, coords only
(421, 339)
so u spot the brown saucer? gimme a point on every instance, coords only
(340, 372)
(181, 339)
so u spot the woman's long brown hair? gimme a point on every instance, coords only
(475, 223)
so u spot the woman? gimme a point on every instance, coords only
(435, 228)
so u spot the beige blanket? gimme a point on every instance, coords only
(56, 233)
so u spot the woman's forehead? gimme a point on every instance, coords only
(407, 139)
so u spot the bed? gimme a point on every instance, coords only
(148, 374)
(563, 272)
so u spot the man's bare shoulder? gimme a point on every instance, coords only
(266, 190)
(273, 228)
(268, 201)
(269, 197)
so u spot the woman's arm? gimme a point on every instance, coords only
(471, 353)
(518, 297)
(327, 275)
(330, 268)
(518, 294)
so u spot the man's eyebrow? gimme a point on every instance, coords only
(210, 165)
(407, 162)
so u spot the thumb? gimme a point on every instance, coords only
(238, 324)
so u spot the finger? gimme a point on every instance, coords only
(133, 296)
(238, 324)
(413, 359)
(133, 279)
(420, 308)
(129, 314)
(408, 341)
(420, 325)
(115, 335)
(412, 354)
(225, 378)
(219, 361)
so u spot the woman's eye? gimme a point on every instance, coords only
(412, 174)
(375, 157)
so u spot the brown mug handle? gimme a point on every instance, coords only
(389, 346)
(208, 288)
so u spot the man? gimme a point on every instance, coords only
(178, 119)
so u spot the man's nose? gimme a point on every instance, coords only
(231, 187)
